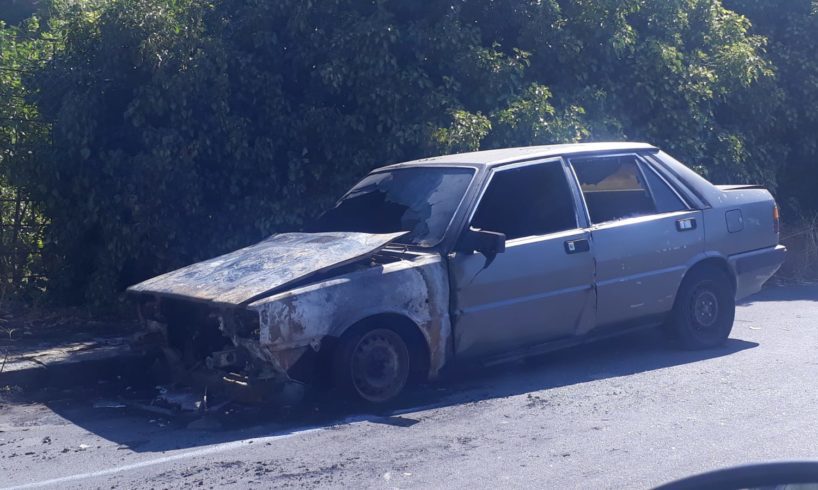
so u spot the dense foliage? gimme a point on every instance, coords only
(22, 134)
(792, 34)
(184, 128)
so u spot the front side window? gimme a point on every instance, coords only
(527, 201)
(419, 200)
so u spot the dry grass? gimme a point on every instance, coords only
(801, 240)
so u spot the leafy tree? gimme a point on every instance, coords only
(792, 31)
(185, 128)
(675, 73)
(23, 136)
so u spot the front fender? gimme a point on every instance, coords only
(416, 288)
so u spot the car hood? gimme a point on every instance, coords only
(267, 267)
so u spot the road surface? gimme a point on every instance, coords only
(630, 412)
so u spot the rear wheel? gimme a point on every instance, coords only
(704, 309)
(372, 365)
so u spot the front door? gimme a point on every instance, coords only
(644, 237)
(541, 287)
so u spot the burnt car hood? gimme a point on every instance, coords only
(264, 268)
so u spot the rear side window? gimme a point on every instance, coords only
(614, 188)
(622, 187)
(527, 201)
(664, 198)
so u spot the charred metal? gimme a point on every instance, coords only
(484, 256)
(270, 337)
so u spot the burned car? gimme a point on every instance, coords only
(489, 256)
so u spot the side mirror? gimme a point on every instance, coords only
(488, 243)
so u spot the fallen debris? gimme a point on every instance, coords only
(108, 404)
(184, 400)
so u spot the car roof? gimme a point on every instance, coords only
(491, 158)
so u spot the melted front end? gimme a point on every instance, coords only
(212, 346)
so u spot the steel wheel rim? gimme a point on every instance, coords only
(705, 308)
(377, 366)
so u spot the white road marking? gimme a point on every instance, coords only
(217, 448)
(421, 408)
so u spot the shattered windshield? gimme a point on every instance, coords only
(418, 200)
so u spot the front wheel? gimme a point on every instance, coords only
(372, 365)
(704, 309)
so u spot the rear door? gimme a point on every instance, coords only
(644, 235)
(541, 287)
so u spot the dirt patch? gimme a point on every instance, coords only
(22, 323)
(34, 333)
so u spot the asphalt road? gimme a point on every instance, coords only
(625, 413)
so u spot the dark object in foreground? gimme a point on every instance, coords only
(491, 255)
(792, 475)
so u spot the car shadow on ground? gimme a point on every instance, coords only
(633, 353)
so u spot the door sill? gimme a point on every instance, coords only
(597, 334)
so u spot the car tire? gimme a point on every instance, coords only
(372, 365)
(704, 309)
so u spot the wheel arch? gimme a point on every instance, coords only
(712, 262)
(415, 337)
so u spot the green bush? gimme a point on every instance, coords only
(792, 33)
(22, 137)
(186, 128)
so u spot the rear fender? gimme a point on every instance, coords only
(708, 258)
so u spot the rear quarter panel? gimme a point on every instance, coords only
(757, 232)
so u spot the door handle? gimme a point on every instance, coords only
(685, 224)
(577, 246)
